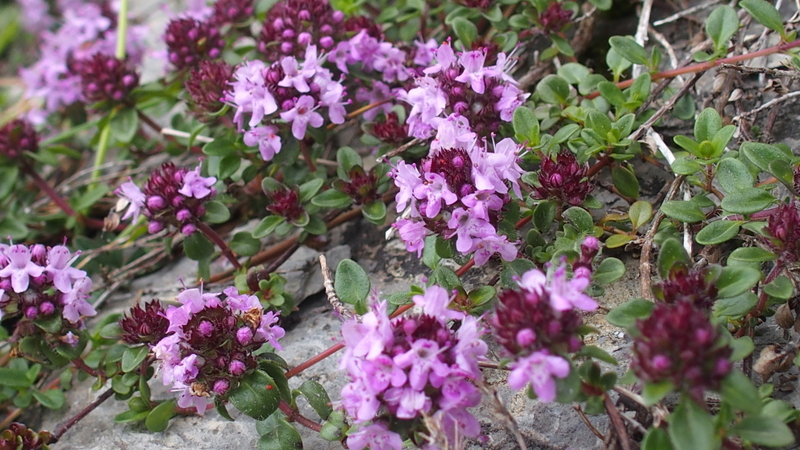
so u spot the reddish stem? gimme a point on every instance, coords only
(295, 416)
(83, 413)
(217, 239)
(80, 364)
(700, 67)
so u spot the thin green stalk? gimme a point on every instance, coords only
(122, 29)
(102, 150)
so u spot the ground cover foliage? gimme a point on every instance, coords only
(517, 138)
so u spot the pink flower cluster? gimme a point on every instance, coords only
(210, 343)
(38, 282)
(458, 191)
(172, 196)
(410, 367)
(539, 322)
(86, 29)
(463, 85)
(295, 90)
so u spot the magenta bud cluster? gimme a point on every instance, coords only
(17, 137)
(105, 78)
(172, 196)
(190, 41)
(210, 342)
(564, 179)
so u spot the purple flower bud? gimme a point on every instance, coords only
(39, 254)
(236, 368)
(338, 16)
(287, 34)
(244, 335)
(661, 362)
(221, 387)
(526, 337)
(156, 203)
(205, 328)
(47, 308)
(287, 47)
(5, 284)
(304, 39)
(304, 15)
(183, 215)
(326, 42)
(31, 312)
(556, 180)
(154, 227)
(177, 201)
(278, 24)
(188, 229)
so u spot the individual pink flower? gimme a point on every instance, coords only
(376, 436)
(196, 185)
(131, 192)
(490, 245)
(20, 267)
(472, 62)
(435, 303)
(58, 266)
(538, 369)
(75, 304)
(303, 114)
(406, 178)
(413, 233)
(267, 139)
(566, 294)
(435, 191)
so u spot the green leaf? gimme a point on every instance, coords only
(656, 439)
(481, 295)
(221, 146)
(526, 125)
(580, 218)
(197, 247)
(780, 287)
(736, 280)
(747, 201)
(742, 348)
(654, 392)
(309, 189)
(131, 416)
(783, 171)
(640, 213)
(735, 307)
(763, 430)
(765, 13)
(543, 215)
(351, 282)
(691, 428)
(158, 419)
(133, 357)
(375, 211)
(718, 232)
(267, 226)
(278, 434)
(721, 25)
(626, 314)
(51, 398)
(317, 397)
(564, 133)
(244, 244)
(733, 175)
(671, 252)
(332, 199)
(124, 125)
(348, 158)
(216, 212)
(593, 351)
(90, 197)
(741, 393)
(466, 31)
(598, 122)
(609, 271)
(707, 125)
(278, 376)
(257, 395)
(553, 89)
(8, 180)
(618, 240)
(762, 154)
(625, 181)
(612, 93)
(752, 254)
(629, 49)
(685, 166)
(683, 211)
